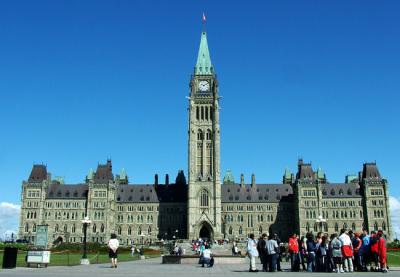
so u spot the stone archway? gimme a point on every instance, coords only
(206, 231)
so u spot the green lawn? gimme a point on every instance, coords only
(66, 258)
(393, 258)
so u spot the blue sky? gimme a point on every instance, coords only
(81, 81)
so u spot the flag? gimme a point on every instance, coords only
(204, 18)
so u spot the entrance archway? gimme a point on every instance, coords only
(206, 231)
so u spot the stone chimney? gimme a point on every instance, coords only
(253, 180)
(242, 180)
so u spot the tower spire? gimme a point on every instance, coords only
(203, 64)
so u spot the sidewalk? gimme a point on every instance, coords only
(154, 268)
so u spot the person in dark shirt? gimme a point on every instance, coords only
(311, 249)
(262, 250)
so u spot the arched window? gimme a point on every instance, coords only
(345, 226)
(102, 228)
(129, 230)
(119, 230)
(353, 226)
(308, 227)
(315, 227)
(209, 135)
(204, 198)
(332, 192)
(26, 227)
(376, 226)
(149, 230)
(202, 113)
(65, 228)
(56, 228)
(383, 226)
(230, 230)
(340, 192)
(325, 227)
(73, 229)
(94, 228)
(206, 112)
(34, 227)
(197, 113)
(336, 227)
(199, 134)
(260, 229)
(240, 230)
(139, 231)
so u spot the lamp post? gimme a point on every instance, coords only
(86, 221)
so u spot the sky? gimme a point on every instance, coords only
(83, 81)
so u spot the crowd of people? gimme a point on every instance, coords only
(345, 252)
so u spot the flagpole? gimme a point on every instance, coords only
(204, 22)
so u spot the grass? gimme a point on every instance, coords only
(66, 258)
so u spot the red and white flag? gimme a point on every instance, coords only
(204, 18)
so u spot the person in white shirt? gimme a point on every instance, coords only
(252, 252)
(206, 257)
(347, 250)
(113, 244)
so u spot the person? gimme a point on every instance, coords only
(347, 250)
(365, 251)
(294, 253)
(113, 245)
(382, 252)
(272, 250)
(133, 250)
(252, 252)
(357, 244)
(302, 251)
(321, 254)
(206, 257)
(374, 251)
(279, 251)
(311, 247)
(336, 253)
(262, 251)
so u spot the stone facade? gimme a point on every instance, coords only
(202, 206)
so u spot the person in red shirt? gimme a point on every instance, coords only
(294, 253)
(382, 251)
(374, 250)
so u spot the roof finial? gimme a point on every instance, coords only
(204, 22)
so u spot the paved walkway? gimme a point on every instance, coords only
(153, 267)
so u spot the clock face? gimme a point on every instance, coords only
(204, 86)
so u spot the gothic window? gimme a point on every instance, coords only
(206, 113)
(202, 113)
(325, 227)
(129, 230)
(315, 227)
(139, 231)
(119, 230)
(230, 230)
(204, 198)
(332, 192)
(197, 113)
(260, 229)
(209, 134)
(73, 229)
(353, 226)
(240, 230)
(324, 192)
(94, 228)
(383, 226)
(199, 135)
(26, 227)
(308, 227)
(56, 228)
(211, 113)
(345, 226)
(65, 228)
(376, 226)
(149, 230)
(340, 192)
(336, 227)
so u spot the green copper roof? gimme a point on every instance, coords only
(123, 174)
(288, 174)
(90, 175)
(203, 65)
(320, 173)
(351, 178)
(228, 178)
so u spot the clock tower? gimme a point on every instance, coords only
(204, 193)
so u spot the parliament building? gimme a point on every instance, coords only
(201, 204)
